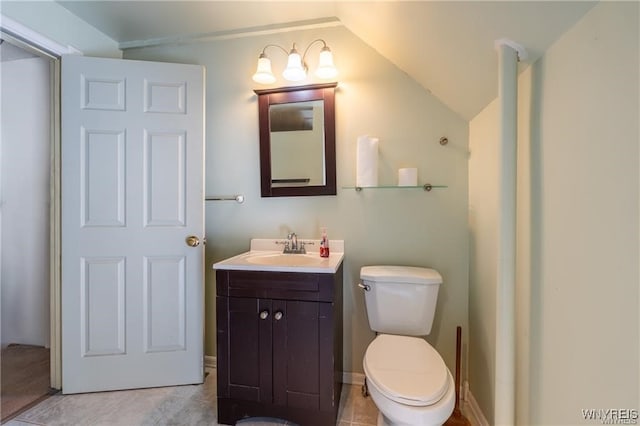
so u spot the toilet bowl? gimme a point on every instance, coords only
(407, 378)
(408, 381)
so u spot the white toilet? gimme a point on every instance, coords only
(406, 377)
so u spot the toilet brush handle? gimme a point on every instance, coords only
(458, 350)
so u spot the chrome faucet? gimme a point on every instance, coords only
(292, 246)
(293, 241)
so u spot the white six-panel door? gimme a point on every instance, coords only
(132, 192)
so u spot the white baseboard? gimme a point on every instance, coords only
(353, 378)
(477, 417)
(210, 361)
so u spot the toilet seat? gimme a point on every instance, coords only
(406, 370)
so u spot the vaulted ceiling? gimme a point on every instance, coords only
(446, 46)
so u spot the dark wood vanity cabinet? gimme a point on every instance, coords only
(279, 346)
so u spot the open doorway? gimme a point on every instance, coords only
(25, 194)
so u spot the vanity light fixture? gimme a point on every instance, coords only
(296, 66)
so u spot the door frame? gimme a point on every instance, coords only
(36, 43)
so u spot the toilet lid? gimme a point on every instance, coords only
(400, 274)
(406, 369)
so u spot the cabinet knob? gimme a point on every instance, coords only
(264, 314)
(278, 316)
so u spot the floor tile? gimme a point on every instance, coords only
(365, 411)
(170, 406)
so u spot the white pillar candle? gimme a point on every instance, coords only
(408, 176)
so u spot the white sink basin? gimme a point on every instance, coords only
(266, 255)
(280, 259)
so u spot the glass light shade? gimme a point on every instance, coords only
(326, 69)
(295, 70)
(263, 73)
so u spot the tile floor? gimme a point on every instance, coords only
(179, 405)
(176, 406)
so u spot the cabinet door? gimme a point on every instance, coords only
(244, 352)
(296, 354)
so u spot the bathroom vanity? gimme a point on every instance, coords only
(279, 336)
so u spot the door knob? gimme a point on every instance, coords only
(278, 316)
(192, 241)
(264, 314)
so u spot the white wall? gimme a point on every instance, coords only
(386, 226)
(578, 246)
(53, 21)
(483, 256)
(24, 194)
(584, 294)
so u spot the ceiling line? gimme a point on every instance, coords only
(236, 33)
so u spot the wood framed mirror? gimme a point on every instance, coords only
(297, 140)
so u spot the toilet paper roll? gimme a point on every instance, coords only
(408, 176)
(367, 161)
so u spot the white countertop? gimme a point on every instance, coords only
(266, 255)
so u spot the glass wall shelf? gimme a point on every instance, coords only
(427, 187)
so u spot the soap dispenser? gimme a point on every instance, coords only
(324, 244)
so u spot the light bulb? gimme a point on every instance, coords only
(263, 74)
(295, 70)
(326, 69)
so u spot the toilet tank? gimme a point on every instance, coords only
(400, 299)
